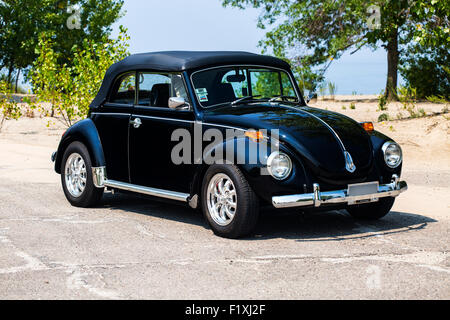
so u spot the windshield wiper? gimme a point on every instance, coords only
(244, 99)
(283, 97)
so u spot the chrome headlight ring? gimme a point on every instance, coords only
(392, 154)
(279, 165)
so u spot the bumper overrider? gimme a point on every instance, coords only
(317, 199)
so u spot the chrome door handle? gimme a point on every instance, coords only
(136, 123)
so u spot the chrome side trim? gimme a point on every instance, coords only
(166, 194)
(318, 198)
(329, 128)
(161, 118)
(110, 114)
(218, 125)
(99, 176)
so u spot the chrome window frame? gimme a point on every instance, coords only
(295, 85)
(110, 93)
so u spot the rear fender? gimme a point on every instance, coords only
(85, 132)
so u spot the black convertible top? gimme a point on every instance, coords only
(178, 61)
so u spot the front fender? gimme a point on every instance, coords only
(85, 132)
(378, 140)
(252, 161)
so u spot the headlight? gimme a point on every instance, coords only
(279, 165)
(392, 154)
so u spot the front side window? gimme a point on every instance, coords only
(124, 90)
(227, 84)
(155, 89)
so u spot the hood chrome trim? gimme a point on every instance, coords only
(349, 164)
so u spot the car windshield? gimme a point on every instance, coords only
(236, 85)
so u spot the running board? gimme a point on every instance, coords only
(172, 195)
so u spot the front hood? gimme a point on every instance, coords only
(317, 135)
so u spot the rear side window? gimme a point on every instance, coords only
(124, 90)
(155, 89)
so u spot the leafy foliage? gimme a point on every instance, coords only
(425, 69)
(71, 87)
(9, 109)
(23, 21)
(313, 33)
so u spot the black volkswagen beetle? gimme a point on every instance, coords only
(225, 132)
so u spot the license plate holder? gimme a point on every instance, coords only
(363, 189)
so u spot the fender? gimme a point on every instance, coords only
(378, 139)
(264, 185)
(85, 132)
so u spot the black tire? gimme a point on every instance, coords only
(372, 211)
(247, 210)
(91, 195)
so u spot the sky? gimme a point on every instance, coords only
(156, 25)
(159, 25)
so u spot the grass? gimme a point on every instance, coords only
(332, 88)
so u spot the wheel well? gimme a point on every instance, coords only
(62, 149)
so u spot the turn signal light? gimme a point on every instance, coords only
(256, 136)
(368, 126)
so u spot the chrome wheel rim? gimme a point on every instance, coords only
(75, 175)
(222, 199)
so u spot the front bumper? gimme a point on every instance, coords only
(317, 199)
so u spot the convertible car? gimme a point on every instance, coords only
(224, 132)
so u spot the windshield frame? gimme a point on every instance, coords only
(299, 96)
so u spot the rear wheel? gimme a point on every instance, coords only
(372, 211)
(76, 177)
(229, 204)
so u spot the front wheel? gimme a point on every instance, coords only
(372, 211)
(77, 177)
(229, 204)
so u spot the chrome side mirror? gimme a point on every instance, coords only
(311, 96)
(178, 103)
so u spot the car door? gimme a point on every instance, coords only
(153, 123)
(112, 121)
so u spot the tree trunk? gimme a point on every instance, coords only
(392, 76)
(10, 70)
(17, 80)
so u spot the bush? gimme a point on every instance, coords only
(426, 70)
(382, 102)
(9, 109)
(383, 117)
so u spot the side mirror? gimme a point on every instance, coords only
(178, 103)
(311, 96)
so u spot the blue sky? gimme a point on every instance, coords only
(156, 25)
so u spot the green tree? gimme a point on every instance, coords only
(22, 21)
(313, 33)
(71, 87)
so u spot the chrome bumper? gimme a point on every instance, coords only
(318, 198)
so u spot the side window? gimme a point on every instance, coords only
(124, 90)
(155, 89)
